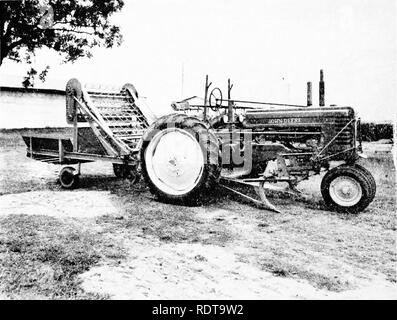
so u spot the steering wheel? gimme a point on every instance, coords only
(215, 96)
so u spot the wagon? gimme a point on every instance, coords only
(104, 126)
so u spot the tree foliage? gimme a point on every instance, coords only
(70, 27)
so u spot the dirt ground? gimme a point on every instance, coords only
(111, 239)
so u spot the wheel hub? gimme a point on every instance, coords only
(175, 166)
(345, 191)
(174, 161)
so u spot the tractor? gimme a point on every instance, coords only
(233, 142)
(221, 141)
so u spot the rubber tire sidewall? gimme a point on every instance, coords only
(75, 182)
(371, 180)
(352, 172)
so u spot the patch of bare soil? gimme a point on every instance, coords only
(61, 204)
(194, 271)
(156, 270)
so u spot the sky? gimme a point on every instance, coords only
(269, 48)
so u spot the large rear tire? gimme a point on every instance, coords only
(180, 159)
(348, 189)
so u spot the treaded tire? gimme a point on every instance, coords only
(371, 181)
(209, 147)
(68, 178)
(360, 175)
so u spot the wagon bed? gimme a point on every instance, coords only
(56, 146)
(103, 126)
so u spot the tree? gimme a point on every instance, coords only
(70, 27)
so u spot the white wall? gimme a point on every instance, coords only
(31, 110)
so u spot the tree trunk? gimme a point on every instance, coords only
(3, 51)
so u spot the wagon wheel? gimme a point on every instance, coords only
(348, 189)
(68, 178)
(216, 99)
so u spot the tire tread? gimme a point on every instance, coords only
(362, 175)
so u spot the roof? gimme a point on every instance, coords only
(32, 90)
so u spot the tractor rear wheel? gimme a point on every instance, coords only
(180, 159)
(348, 188)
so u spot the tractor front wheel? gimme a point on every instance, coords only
(348, 189)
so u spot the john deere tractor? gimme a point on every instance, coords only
(234, 142)
(225, 141)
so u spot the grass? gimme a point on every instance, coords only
(321, 281)
(326, 248)
(168, 223)
(41, 257)
(330, 250)
(10, 138)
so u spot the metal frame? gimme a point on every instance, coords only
(63, 156)
(117, 149)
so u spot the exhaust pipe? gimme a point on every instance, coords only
(322, 89)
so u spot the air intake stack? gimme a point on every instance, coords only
(309, 94)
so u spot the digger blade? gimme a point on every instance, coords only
(260, 190)
(263, 203)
